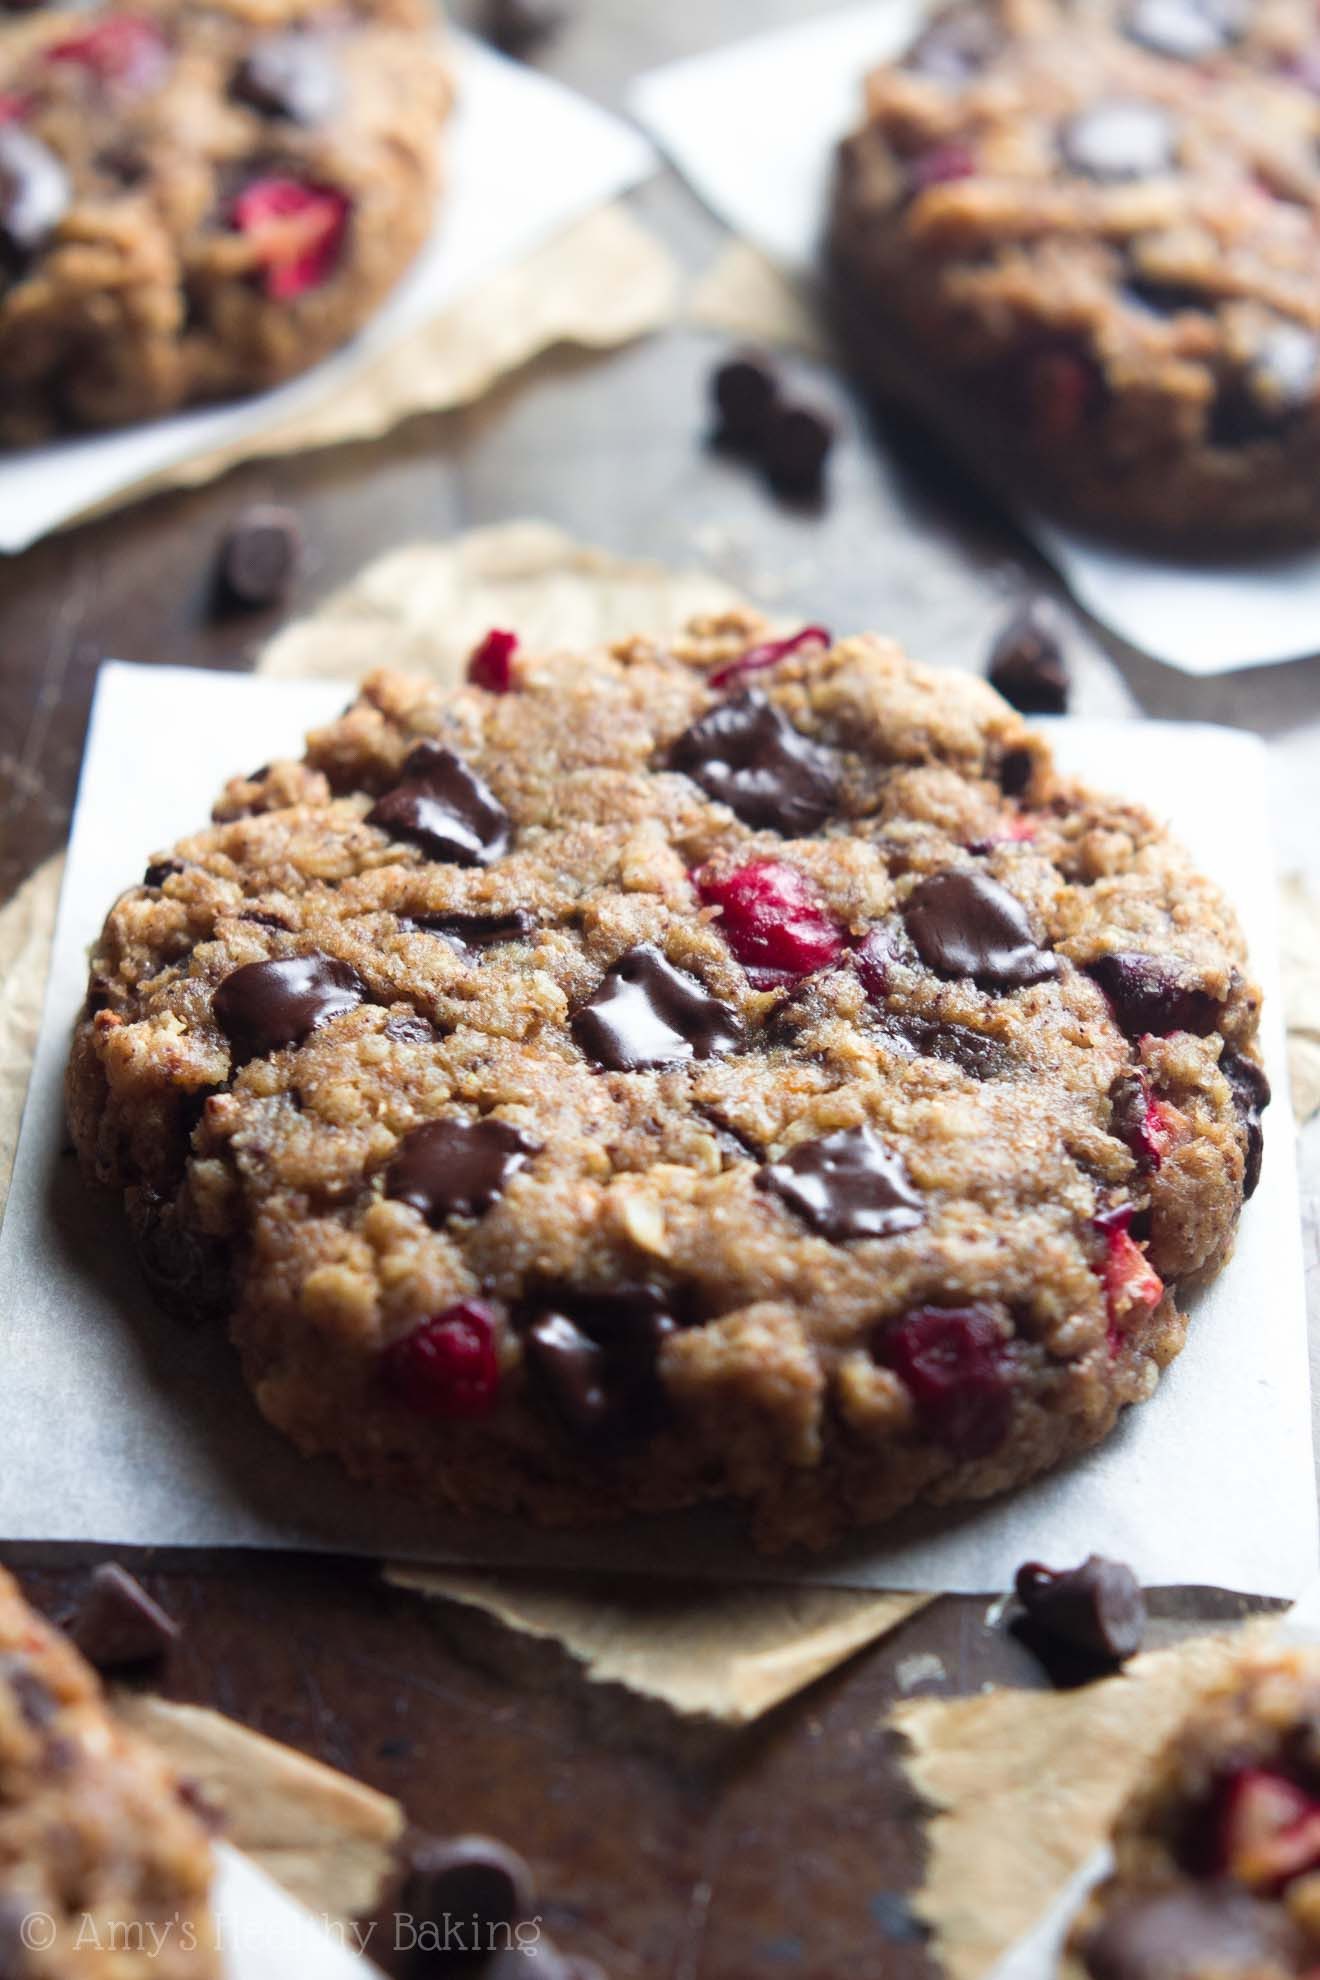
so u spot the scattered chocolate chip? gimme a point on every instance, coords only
(592, 1358)
(1153, 993)
(646, 1013)
(519, 27)
(966, 924)
(745, 753)
(265, 1006)
(469, 1890)
(1027, 663)
(476, 931)
(410, 1030)
(35, 1699)
(1177, 1934)
(160, 870)
(293, 76)
(746, 395)
(795, 449)
(846, 1185)
(119, 1624)
(1251, 1095)
(457, 1168)
(1119, 140)
(444, 807)
(1096, 1609)
(956, 45)
(957, 1044)
(34, 194)
(259, 557)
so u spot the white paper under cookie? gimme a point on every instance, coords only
(119, 1426)
(767, 175)
(495, 207)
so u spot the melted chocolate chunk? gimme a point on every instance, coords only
(957, 1044)
(1251, 1096)
(965, 924)
(471, 1884)
(411, 1030)
(119, 1624)
(646, 1013)
(1153, 993)
(1119, 140)
(444, 807)
(1097, 1609)
(592, 1359)
(265, 1006)
(846, 1185)
(1177, 1934)
(748, 755)
(292, 76)
(34, 194)
(456, 1168)
(476, 931)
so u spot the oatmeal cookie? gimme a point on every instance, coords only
(200, 201)
(744, 1068)
(1085, 243)
(1217, 1854)
(97, 1844)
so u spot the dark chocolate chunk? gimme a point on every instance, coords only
(1119, 139)
(846, 1185)
(1027, 662)
(1180, 1933)
(966, 924)
(456, 1168)
(259, 557)
(956, 45)
(519, 27)
(444, 807)
(1251, 1096)
(1277, 383)
(647, 1013)
(160, 870)
(1153, 993)
(189, 1274)
(34, 194)
(469, 1890)
(410, 1030)
(294, 76)
(591, 1357)
(746, 394)
(265, 1006)
(1015, 772)
(119, 1624)
(957, 1044)
(1096, 1609)
(476, 931)
(745, 753)
(1155, 297)
(795, 450)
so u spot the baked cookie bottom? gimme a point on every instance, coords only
(743, 1070)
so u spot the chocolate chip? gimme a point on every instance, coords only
(1153, 993)
(445, 808)
(411, 1030)
(955, 46)
(1181, 1933)
(646, 1013)
(1183, 30)
(519, 27)
(795, 449)
(292, 76)
(846, 1185)
(745, 753)
(469, 1890)
(1251, 1096)
(1015, 771)
(34, 193)
(476, 931)
(265, 1006)
(592, 1358)
(119, 1624)
(957, 1044)
(966, 924)
(746, 394)
(33, 1696)
(1027, 663)
(1096, 1609)
(160, 870)
(457, 1168)
(1119, 140)
(190, 1275)
(259, 557)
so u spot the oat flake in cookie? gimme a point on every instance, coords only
(1217, 1853)
(98, 1847)
(1084, 242)
(199, 201)
(739, 1070)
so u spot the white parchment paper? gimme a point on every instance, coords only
(767, 176)
(121, 1427)
(262, 1934)
(492, 210)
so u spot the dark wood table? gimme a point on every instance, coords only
(667, 1852)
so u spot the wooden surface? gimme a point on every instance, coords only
(662, 1851)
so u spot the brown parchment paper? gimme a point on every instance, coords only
(1024, 1785)
(324, 1838)
(728, 1654)
(601, 283)
(744, 294)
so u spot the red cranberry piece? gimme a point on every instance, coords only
(490, 665)
(954, 1362)
(448, 1366)
(874, 958)
(298, 230)
(1149, 994)
(1133, 1288)
(771, 919)
(769, 654)
(1268, 1830)
(123, 48)
(1137, 1119)
(13, 108)
(940, 164)
(1063, 391)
